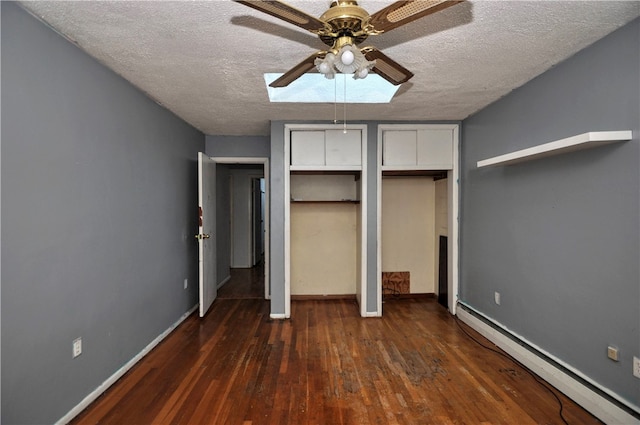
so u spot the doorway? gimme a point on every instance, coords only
(243, 208)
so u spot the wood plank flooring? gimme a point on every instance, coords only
(244, 284)
(327, 365)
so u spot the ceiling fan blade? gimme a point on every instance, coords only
(287, 13)
(386, 67)
(296, 72)
(403, 12)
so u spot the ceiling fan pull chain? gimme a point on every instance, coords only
(335, 101)
(344, 100)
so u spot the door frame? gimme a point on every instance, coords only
(361, 290)
(453, 193)
(267, 231)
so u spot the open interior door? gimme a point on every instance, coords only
(205, 236)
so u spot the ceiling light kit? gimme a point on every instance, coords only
(343, 27)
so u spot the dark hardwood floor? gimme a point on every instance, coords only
(327, 365)
(244, 284)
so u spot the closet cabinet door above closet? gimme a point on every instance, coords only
(425, 149)
(326, 149)
(307, 148)
(343, 148)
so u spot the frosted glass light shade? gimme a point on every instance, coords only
(326, 65)
(347, 57)
(350, 59)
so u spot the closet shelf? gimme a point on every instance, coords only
(335, 201)
(325, 168)
(570, 144)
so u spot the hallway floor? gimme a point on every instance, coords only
(244, 284)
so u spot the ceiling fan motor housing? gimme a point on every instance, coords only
(346, 18)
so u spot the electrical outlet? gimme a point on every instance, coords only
(496, 297)
(612, 353)
(186, 283)
(636, 367)
(77, 347)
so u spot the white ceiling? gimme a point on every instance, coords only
(204, 60)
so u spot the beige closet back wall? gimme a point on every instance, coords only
(408, 230)
(324, 248)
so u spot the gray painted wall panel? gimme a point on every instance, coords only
(223, 222)
(238, 146)
(559, 237)
(276, 217)
(372, 214)
(98, 191)
(242, 229)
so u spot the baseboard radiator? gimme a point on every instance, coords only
(599, 401)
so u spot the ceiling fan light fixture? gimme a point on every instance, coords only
(325, 65)
(350, 59)
(364, 70)
(347, 57)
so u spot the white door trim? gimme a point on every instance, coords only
(287, 213)
(453, 188)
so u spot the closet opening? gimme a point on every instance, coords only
(325, 220)
(414, 216)
(325, 234)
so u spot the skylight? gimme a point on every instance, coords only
(315, 88)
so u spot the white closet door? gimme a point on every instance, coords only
(399, 147)
(435, 149)
(307, 148)
(207, 223)
(343, 148)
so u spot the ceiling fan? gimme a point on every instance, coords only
(343, 27)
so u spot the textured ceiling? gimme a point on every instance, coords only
(205, 60)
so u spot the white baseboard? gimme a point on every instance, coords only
(278, 316)
(372, 314)
(599, 406)
(124, 369)
(225, 280)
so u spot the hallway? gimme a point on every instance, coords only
(244, 284)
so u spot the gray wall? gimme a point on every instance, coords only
(276, 217)
(242, 224)
(559, 237)
(223, 222)
(98, 201)
(238, 146)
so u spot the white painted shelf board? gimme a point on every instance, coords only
(570, 144)
(430, 167)
(325, 168)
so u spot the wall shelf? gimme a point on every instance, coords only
(570, 144)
